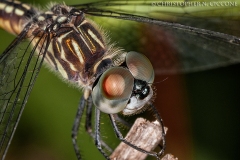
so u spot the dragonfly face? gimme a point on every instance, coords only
(125, 89)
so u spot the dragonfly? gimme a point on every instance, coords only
(211, 46)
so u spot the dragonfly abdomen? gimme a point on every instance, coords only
(14, 15)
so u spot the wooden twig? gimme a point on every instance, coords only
(169, 157)
(144, 134)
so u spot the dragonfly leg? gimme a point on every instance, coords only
(163, 146)
(88, 124)
(98, 142)
(120, 136)
(76, 124)
(122, 121)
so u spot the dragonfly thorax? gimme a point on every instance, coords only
(76, 45)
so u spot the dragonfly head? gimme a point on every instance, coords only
(125, 88)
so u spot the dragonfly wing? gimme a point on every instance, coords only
(202, 14)
(176, 39)
(18, 71)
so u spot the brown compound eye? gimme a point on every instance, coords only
(113, 90)
(140, 67)
(114, 86)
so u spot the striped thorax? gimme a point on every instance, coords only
(76, 45)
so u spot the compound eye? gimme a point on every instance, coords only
(114, 86)
(140, 66)
(113, 90)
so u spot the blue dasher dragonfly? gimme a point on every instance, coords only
(221, 50)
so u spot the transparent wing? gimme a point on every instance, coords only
(18, 72)
(201, 14)
(175, 38)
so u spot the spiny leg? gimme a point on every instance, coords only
(163, 147)
(88, 126)
(88, 123)
(122, 121)
(76, 125)
(98, 141)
